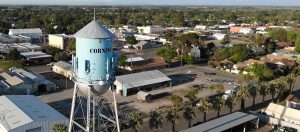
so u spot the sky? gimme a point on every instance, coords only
(154, 2)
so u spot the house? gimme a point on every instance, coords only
(293, 101)
(21, 81)
(59, 40)
(235, 29)
(37, 57)
(63, 68)
(195, 53)
(149, 29)
(201, 27)
(132, 83)
(27, 113)
(143, 45)
(246, 31)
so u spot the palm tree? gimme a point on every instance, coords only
(263, 90)
(281, 85)
(135, 121)
(205, 106)
(273, 89)
(58, 127)
(253, 91)
(173, 116)
(218, 104)
(290, 79)
(176, 100)
(189, 114)
(191, 96)
(231, 102)
(243, 93)
(155, 121)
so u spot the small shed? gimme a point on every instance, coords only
(144, 96)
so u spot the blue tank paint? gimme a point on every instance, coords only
(94, 60)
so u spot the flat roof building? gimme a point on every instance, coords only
(140, 81)
(37, 57)
(27, 113)
(63, 68)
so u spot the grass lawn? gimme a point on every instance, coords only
(5, 65)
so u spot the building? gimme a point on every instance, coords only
(135, 60)
(63, 68)
(21, 47)
(35, 34)
(143, 45)
(132, 83)
(27, 113)
(149, 29)
(59, 40)
(293, 101)
(201, 27)
(4, 38)
(37, 57)
(225, 123)
(219, 36)
(246, 31)
(20, 81)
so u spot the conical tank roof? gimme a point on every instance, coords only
(94, 30)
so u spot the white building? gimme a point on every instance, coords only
(63, 68)
(27, 113)
(29, 32)
(150, 29)
(201, 27)
(219, 36)
(246, 31)
(59, 40)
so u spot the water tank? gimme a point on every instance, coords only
(95, 61)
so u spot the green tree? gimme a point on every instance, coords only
(290, 79)
(155, 121)
(188, 59)
(218, 87)
(205, 106)
(263, 90)
(258, 39)
(218, 104)
(51, 50)
(13, 54)
(253, 91)
(226, 40)
(122, 60)
(243, 93)
(58, 127)
(173, 116)
(191, 95)
(261, 71)
(176, 100)
(71, 45)
(297, 45)
(231, 102)
(189, 114)
(168, 53)
(130, 40)
(62, 56)
(278, 34)
(273, 89)
(135, 121)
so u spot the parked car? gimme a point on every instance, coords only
(228, 93)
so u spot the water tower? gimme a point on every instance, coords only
(94, 67)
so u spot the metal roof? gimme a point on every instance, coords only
(142, 78)
(94, 30)
(222, 123)
(25, 31)
(19, 110)
(63, 65)
(35, 54)
(134, 59)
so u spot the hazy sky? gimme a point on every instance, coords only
(156, 2)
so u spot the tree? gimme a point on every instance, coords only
(122, 60)
(297, 45)
(51, 50)
(176, 100)
(263, 90)
(231, 102)
(167, 52)
(173, 116)
(218, 104)
(191, 95)
(71, 45)
(226, 40)
(204, 106)
(273, 89)
(188, 59)
(155, 121)
(278, 34)
(130, 40)
(62, 56)
(58, 127)
(253, 91)
(290, 79)
(189, 114)
(135, 121)
(258, 39)
(13, 54)
(243, 93)
(218, 87)
(261, 71)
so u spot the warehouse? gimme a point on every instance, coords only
(59, 40)
(63, 68)
(27, 113)
(37, 57)
(132, 83)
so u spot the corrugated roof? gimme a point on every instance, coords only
(222, 123)
(35, 54)
(94, 30)
(19, 110)
(63, 65)
(142, 78)
(282, 112)
(27, 30)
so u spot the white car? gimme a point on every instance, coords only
(228, 93)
